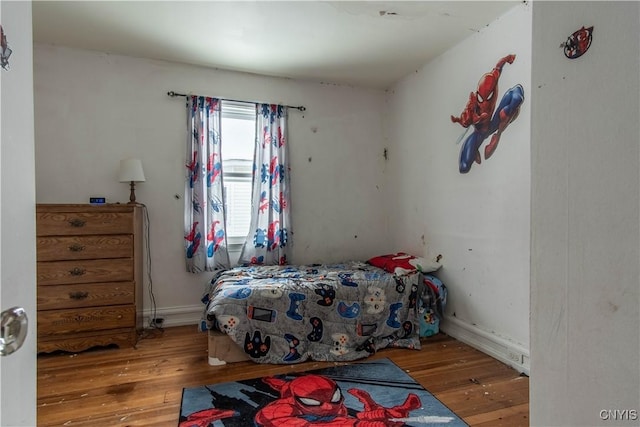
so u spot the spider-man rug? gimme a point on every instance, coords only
(369, 394)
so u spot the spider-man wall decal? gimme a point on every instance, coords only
(578, 43)
(5, 50)
(480, 112)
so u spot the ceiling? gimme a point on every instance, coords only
(360, 43)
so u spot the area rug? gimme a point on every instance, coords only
(368, 394)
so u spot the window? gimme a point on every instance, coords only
(238, 140)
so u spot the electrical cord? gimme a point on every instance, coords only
(153, 327)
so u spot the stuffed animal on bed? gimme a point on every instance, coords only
(402, 263)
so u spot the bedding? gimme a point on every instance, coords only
(431, 305)
(339, 312)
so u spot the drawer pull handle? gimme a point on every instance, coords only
(78, 295)
(77, 271)
(77, 222)
(76, 248)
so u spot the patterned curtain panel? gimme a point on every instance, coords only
(269, 236)
(204, 219)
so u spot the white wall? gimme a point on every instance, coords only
(585, 350)
(17, 196)
(479, 221)
(93, 109)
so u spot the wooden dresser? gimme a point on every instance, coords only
(90, 275)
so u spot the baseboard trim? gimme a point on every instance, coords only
(506, 351)
(175, 316)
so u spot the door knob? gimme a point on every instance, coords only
(13, 330)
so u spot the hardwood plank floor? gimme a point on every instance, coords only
(143, 386)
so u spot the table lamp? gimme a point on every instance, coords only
(131, 171)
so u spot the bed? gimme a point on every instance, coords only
(333, 312)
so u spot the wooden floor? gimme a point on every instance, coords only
(143, 386)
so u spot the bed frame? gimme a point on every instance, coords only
(223, 350)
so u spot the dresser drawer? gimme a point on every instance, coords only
(54, 248)
(74, 223)
(56, 297)
(53, 322)
(84, 271)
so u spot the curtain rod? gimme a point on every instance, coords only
(174, 94)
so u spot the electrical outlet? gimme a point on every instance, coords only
(515, 357)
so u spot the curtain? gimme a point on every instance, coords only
(204, 218)
(269, 236)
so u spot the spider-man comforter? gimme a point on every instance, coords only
(340, 312)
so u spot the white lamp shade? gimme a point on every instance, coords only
(131, 170)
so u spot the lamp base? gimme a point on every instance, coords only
(132, 194)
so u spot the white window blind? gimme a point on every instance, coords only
(238, 139)
(238, 205)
